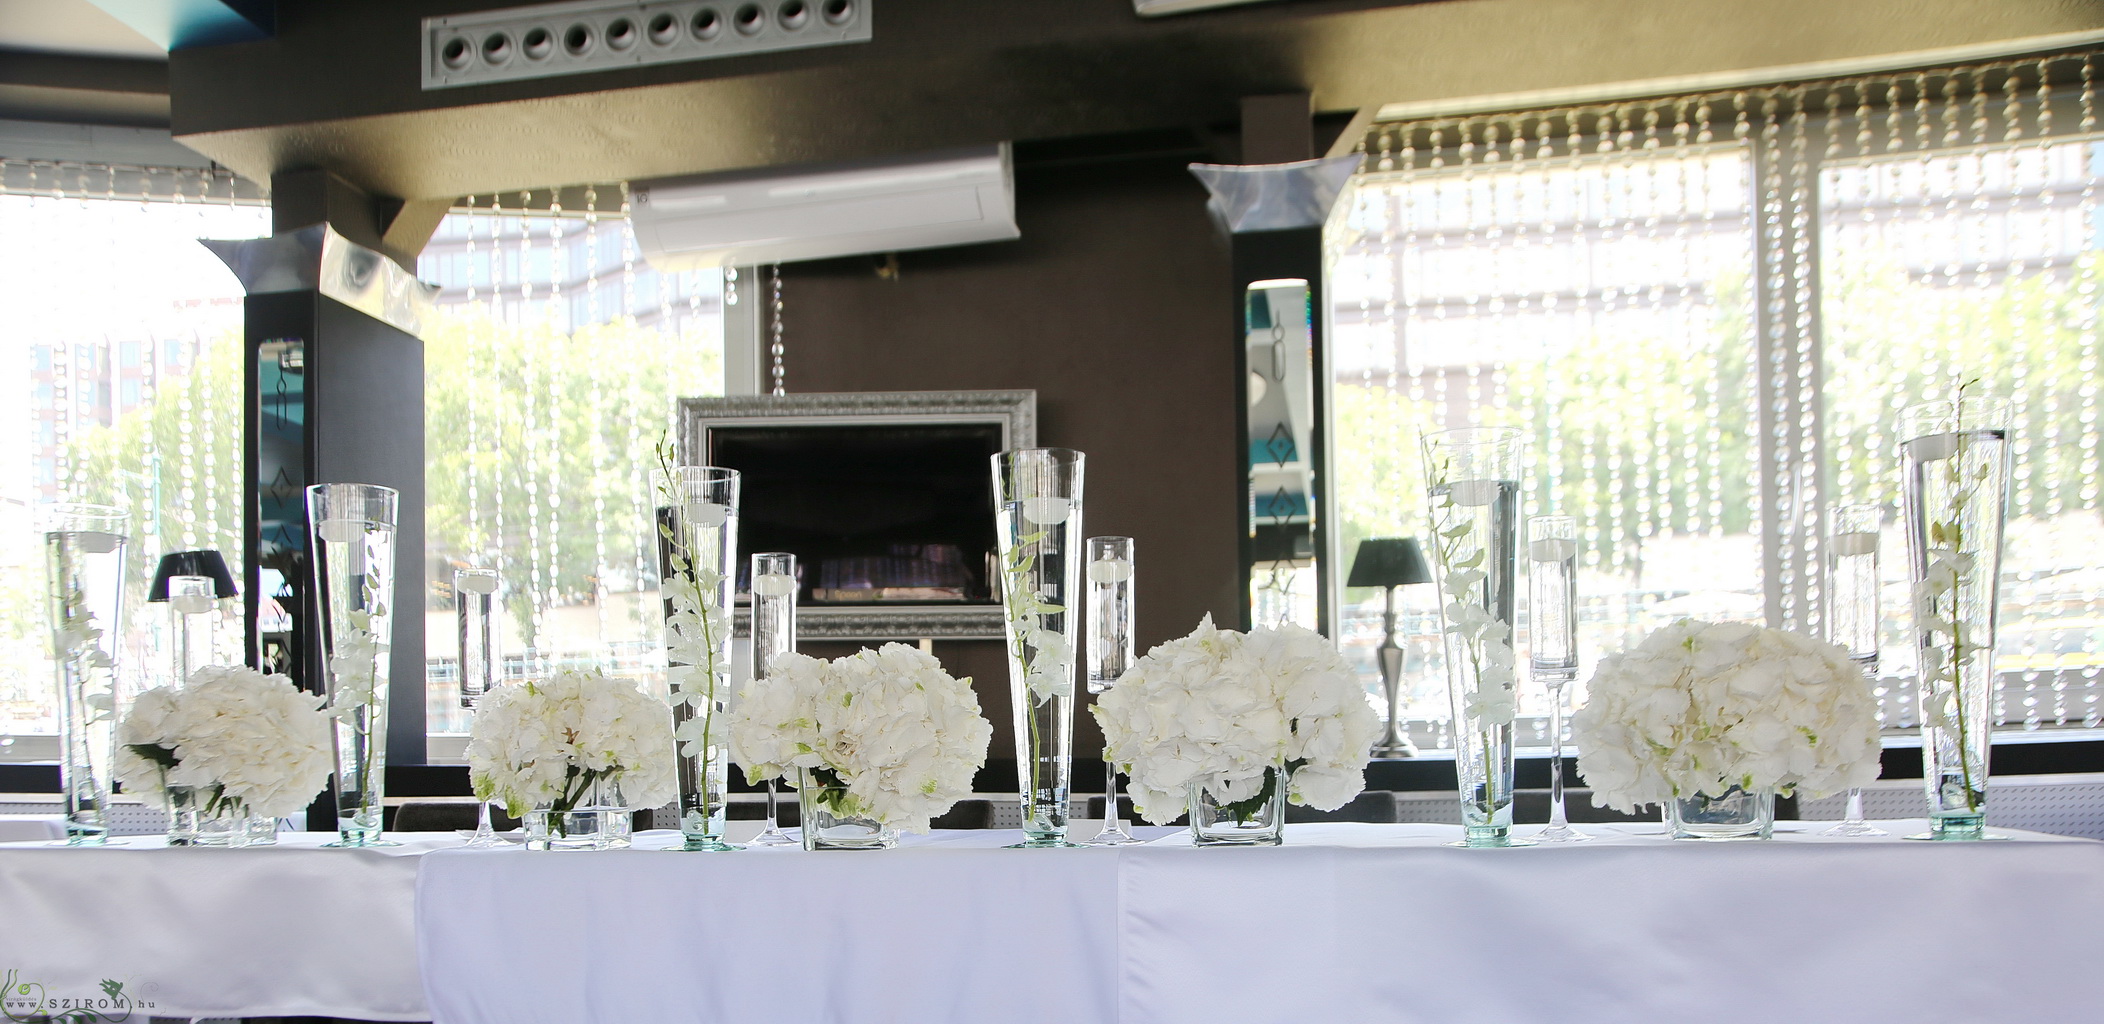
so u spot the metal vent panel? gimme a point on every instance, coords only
(545, 40)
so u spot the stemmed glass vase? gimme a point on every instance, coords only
(193, 612)
(475, 605)
(1110, 655)
(351, 533)
(1552, 640)
(84, 598)
(1037, 512)
(1852, 616)
(1956, 487)
(698, 542)
(774, 590)
(1473, 478)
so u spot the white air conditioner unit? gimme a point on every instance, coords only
(742, 218)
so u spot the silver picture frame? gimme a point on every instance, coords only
(1014, 411)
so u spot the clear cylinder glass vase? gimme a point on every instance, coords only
(1037, 512)
(1738, 814)
(698, 546)
(1253, 814)
(831, 823)
(351, 532)
(1473, 478)
(221, 821)
(84, 561)
(774, 591)
(192, 616)
(599, 818)
(1955, 489)
(182, 804)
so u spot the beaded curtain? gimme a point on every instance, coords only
(1707, 311)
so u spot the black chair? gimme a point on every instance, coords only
(972, 813)
(446, 816)
(1374, 805)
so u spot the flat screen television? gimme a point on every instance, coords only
(886, 499)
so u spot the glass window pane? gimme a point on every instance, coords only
(1603, 305)
(1979, 263)
(545, 398)
(79, 276)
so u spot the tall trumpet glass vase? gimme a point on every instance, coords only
(774, 589)
(475, 610)
(1552, 641)
(351, 534)
(1956, 485)
(1110, 654)
(84, 562)
(699, 541)
(1473, 478)
(1852, 616)
(1037, 512)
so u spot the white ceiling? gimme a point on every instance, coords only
(70, 26)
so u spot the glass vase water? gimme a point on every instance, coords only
(1255, 820)
(1852, 617)
(351, 536)
(1738, 814)
(829, 823)
(1110, 655)
(475, 613)
(1473, 478)
(84, 599)
(1552, 645)
(698, 544)
(1955, 486)
(599, 819)
(774, 591)
(193, 614)
(1037, 512)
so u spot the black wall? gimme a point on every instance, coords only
(1117, 306)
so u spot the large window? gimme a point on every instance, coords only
(551, 366)
(122, 363)
(1707, 312)
(551, 370)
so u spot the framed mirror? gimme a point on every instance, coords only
(886, 499)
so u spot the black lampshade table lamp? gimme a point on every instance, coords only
(199, 580)
(1388, 563)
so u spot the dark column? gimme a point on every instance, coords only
(334, 394)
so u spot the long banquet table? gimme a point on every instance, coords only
(1344, 922)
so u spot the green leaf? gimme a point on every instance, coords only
(159, 755)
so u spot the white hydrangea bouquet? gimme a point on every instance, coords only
(566, 742)
(1698, 708)
(1224, 710)
(244, 741)
(885, 735)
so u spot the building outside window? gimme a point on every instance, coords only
(545, 398)
(1706, 312)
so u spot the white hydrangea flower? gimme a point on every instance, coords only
(1700, 707)
(532, 742)
(903, 736)
(262, 741)
(1220, 707)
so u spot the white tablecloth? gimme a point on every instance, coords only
(1383, 923)
(944, 930)
(1344, 923)
(289, 930)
